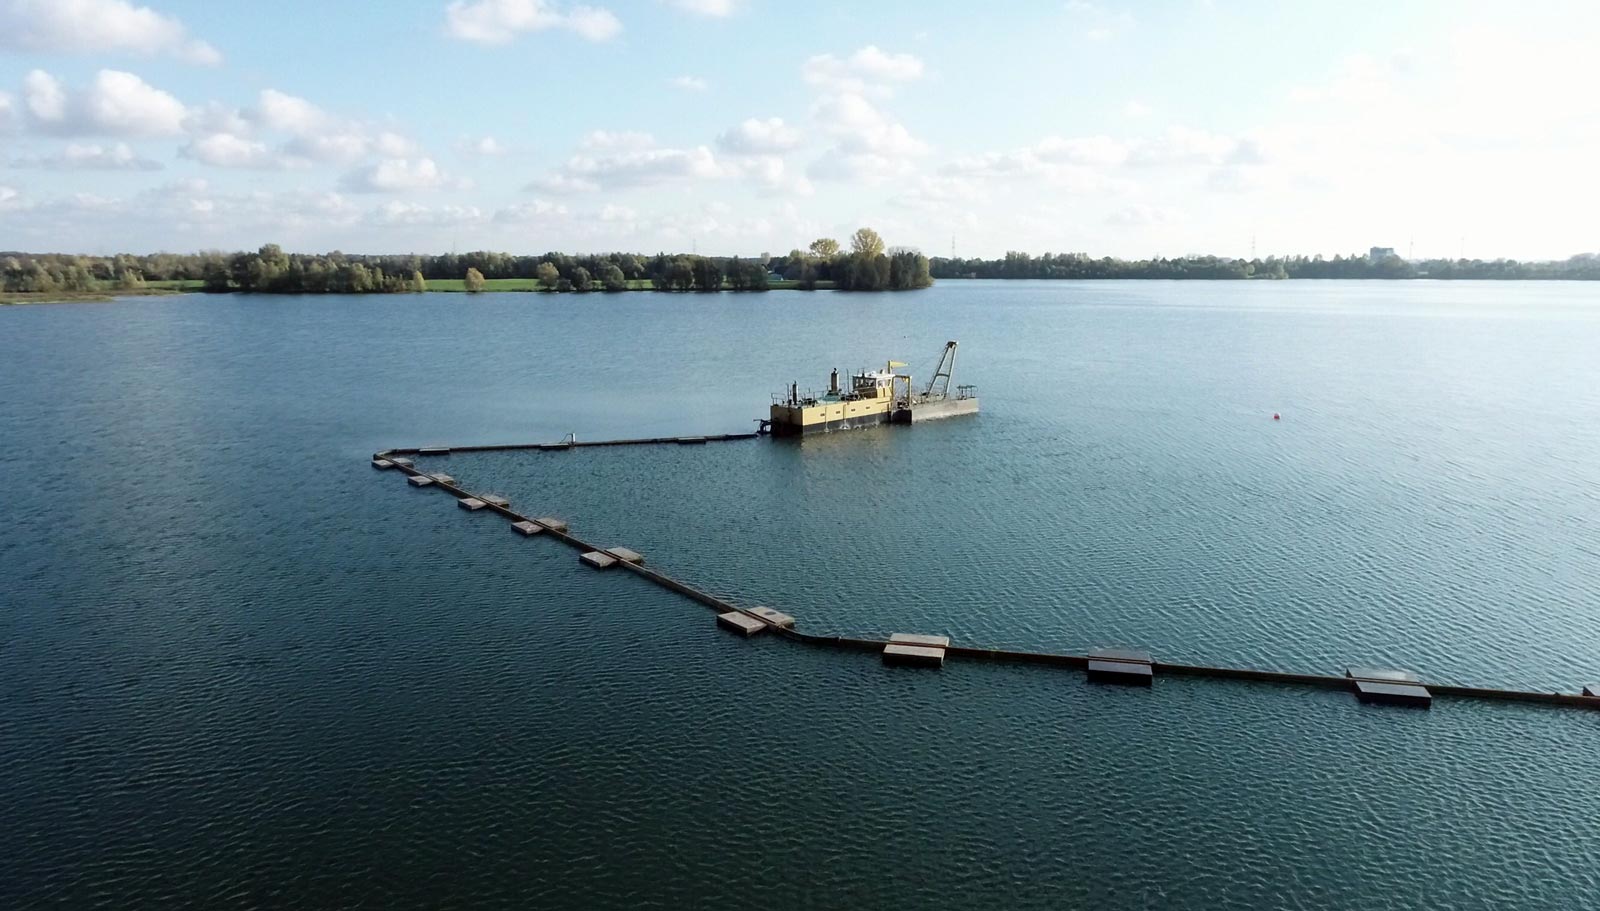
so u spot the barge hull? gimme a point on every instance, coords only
(787, 429)
(936, 410)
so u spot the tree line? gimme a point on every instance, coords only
(867, 266)
(1583, 267)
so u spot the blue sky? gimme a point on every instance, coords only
(738, 126)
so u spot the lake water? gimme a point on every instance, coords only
(238, 667)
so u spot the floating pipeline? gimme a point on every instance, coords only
(1381, 686)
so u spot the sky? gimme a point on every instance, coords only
(1158, 128)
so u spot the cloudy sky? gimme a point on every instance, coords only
(742, 126)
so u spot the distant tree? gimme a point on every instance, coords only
(418, 283)
(612, 279)
(794, 265)
(680, 274)
(563, 284)
(867, 241)
(824, 247)
(473, 281)
(549, 275)
(358, 280)
(130, 280)
(707, 274)
(738, 276)
(215, 276)
(757, 277)
(580, 279)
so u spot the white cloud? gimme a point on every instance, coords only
(8, 112)
(867, 70)
(393, 145)
(716, 9)
(75, 157)
(770, 174)
(8, 198)
(607, 159)
(760, 137)
(860, 127)
(562, 184)
(868, 145)
(941, 194)
(482, 147)
(215, 117)
(690, 83)
(500, 21)
(232, 138)
(396, 212)
(398, 175)
(345, 144)
(1076, 165)
(338, 147)
(1090, 164)
(643, 166)
(117, 104)
(96, 27)
(864, 167)
(1140, 215)
(535, 210)
(277, 110)
(187, 212)
(1135, 109)
(1180, 145)
(593, 24)
(46, 99)
(227, 150)
(617, 140)
(1235, 179)
(1087, 150)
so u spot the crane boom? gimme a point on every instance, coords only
(941, 374)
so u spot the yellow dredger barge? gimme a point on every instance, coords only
(874, 397)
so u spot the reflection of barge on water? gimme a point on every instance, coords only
(874, 397)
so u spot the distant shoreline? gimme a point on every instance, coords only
(1380, 263)
(449, 286)
(1291, 278)
(26, 298)
(530, 286)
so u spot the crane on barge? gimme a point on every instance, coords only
(873, 397)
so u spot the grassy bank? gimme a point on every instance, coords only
(15, 298)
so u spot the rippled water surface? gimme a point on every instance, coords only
(238, 667)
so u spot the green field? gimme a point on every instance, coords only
(490, 284)
(177, 284)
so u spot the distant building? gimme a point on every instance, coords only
(1377, 254)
